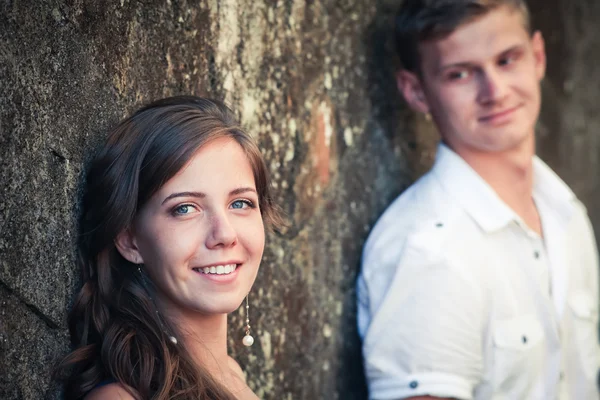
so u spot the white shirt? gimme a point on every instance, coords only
(458, 298)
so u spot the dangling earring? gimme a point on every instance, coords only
(172, 338)
(248, 340)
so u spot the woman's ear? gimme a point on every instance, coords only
(126, 245)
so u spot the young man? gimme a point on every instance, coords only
(481, 280)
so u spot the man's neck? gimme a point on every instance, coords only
(510, 174)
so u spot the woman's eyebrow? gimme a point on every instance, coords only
(201, 195)
(184, 194)
(242, 190)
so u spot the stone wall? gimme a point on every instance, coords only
(569, 129)
(313, 81)
(296, 73)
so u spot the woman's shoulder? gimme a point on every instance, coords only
(235, 367)
(243, 392)
(110, 391)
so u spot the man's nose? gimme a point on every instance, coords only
(492, 87)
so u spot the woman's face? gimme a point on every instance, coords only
(201, 236)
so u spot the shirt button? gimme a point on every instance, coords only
(439, 225)
(536, 254)
(524, 338)
(414, 384)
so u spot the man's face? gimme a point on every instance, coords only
(481, 83)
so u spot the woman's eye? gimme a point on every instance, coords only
(242, 204)
(183, 209)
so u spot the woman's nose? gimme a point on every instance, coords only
(222, 233)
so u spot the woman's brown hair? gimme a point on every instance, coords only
(115, 329)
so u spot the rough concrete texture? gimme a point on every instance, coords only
(313, 81)
(296, 73)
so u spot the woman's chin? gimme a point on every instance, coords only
(220, 307)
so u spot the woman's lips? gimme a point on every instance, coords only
(223, 273)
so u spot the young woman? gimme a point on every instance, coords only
(172, 235)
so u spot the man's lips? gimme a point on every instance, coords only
(499, 116)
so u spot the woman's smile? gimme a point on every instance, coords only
(223, 274)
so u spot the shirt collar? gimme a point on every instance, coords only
(480, 201)
(548, 187)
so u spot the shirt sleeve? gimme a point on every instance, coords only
(423, 335)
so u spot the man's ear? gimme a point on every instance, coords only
(126, 245)
(410, 86)
(539, 54)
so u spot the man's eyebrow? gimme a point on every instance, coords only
(201, 195)
(512, 49)
(468, 64)
(464, 64)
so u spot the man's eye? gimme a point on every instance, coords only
(457, 75)
(509, 59)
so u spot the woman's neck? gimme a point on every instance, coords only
(205, 337)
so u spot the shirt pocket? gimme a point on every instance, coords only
(585, 326)
(518, 355)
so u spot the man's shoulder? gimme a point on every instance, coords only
(423, 207)
(422, 219)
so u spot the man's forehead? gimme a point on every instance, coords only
(477, 40)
